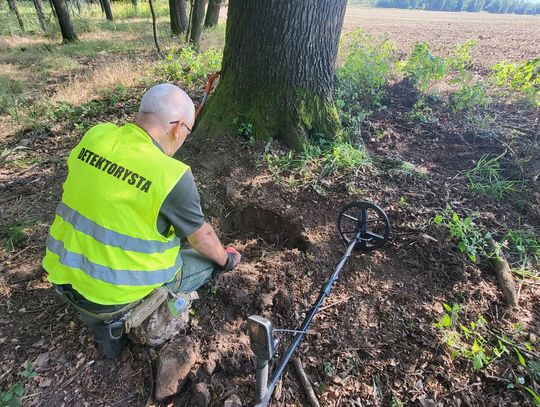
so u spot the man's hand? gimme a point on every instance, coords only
(233, 259)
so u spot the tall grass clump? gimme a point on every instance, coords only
(486, 178)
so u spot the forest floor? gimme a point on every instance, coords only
(375, 342)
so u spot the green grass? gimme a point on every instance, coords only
(13, 234)
(317, 162)
(395, 165)
(486, 178)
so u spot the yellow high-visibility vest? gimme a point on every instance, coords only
(104, 239)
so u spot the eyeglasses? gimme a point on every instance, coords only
(183, 124)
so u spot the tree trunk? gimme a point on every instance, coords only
(13, 7)
(278, 71)
(52, 8)
(64, 20)
(154, 26)
(197, 19)
(212, 13)
(108, 10)
(177, 9)
(39, 11)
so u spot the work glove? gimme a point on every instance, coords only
(233, 259)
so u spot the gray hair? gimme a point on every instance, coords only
(164, 103)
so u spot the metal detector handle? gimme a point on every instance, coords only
(267, 395)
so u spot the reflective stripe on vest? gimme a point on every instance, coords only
(109, 275)
(110, 237)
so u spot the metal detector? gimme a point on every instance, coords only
(362, 226)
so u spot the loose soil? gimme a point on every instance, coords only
(373, 341)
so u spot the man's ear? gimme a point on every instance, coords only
(176, 130)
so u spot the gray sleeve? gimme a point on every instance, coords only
(181, 208)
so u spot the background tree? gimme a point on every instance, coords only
(13, 7)
(197, 19)
(38, 5)
(278, 71)
(177, 10)
(64, 20)
(107, 9)
(212, 13)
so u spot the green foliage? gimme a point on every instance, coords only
(316, 162)
(471, 240)
(29, 372)
(469, 97)
(12, 98)
(486, 178)
(420, 112)
(367, 67)
(523, 79)
(524, 244)
(245, 130)
(422, 68)
(481, 345)
(14, 235)
(6, 152)
(190, 67)
(12, 396)
(461, 59)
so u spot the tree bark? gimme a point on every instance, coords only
(40, 15)
(278, 71)
(13, 7)
(52, 8)
(108, 10)
(197, 19)
(212, 13)
(177, 9)
(64, 20)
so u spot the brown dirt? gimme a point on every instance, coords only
(375, 339)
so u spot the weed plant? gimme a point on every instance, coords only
(422, 68)
(316, 162)
(190, 67)
(13, 234)
(523, 79)
(359, 81)
(471, 240)
(487, 179)
(481, 344)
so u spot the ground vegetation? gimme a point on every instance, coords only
(439, 130)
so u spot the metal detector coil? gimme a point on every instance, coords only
(367, 219)
(362, 226)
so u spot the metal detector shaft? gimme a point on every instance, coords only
(265, 397)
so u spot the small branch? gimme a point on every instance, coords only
(305, 383)
(335, 303)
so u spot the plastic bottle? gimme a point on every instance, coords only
(177, 305)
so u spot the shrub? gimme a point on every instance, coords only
(422, 68)
(523, 79)
(367, 66)
(189, 67)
